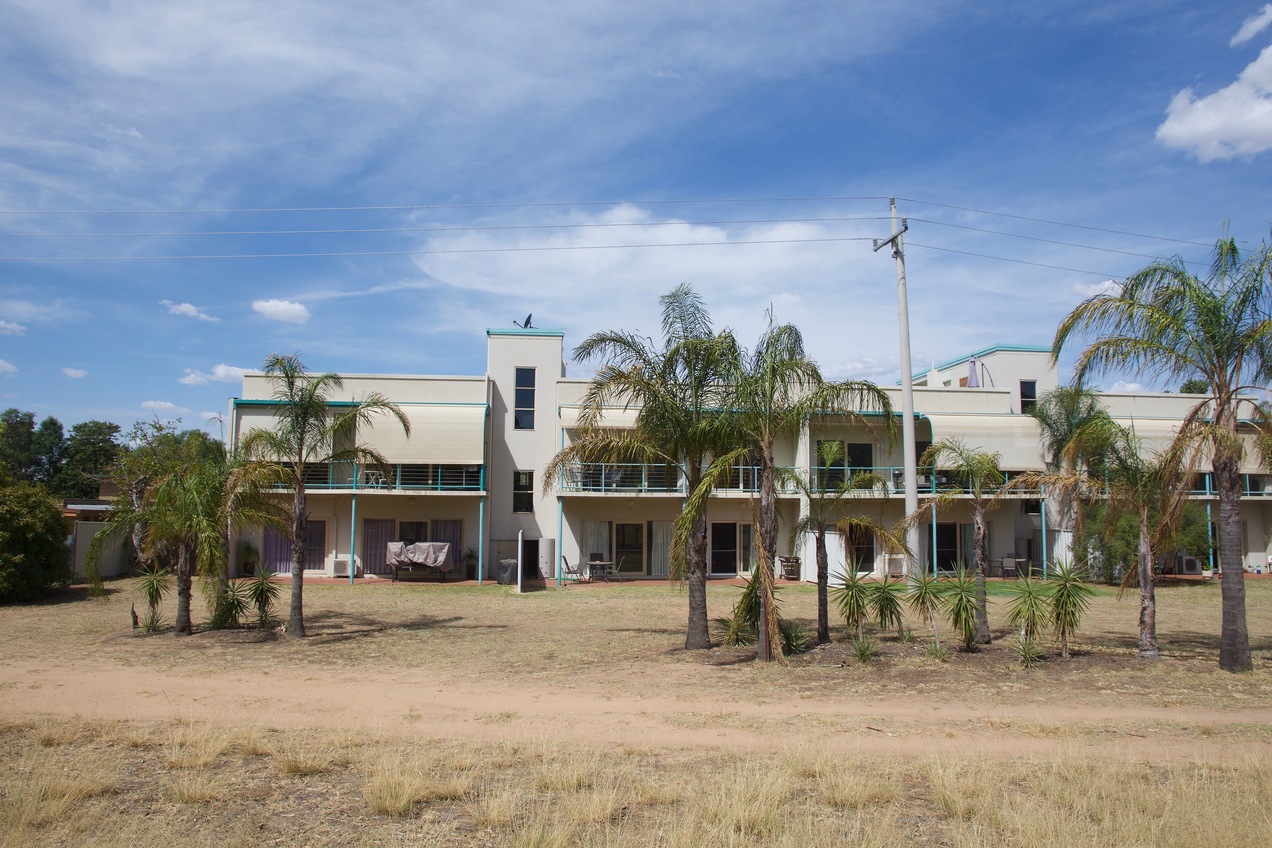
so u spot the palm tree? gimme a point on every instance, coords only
(772, 392)
(1164, 322)
(675, 389)
(828, 506)
(186, 513)
(1154, 489)
(975, 473)
(309, 431)
(1061, 413)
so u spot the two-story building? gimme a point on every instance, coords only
(471, 472)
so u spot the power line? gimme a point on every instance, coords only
(476, 228)
(415, 206)
(1016, 261)
(421, 252)
(1038, 238)
(1054, 223)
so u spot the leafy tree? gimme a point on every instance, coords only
(310, 432)
(90, 452)
(33, 555)
(1167, 323)
(975, 473)
(675, 389)
(32, 454)
(772, 391)
(1194, 386)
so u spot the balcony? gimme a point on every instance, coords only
(349, 476)
(628, 478)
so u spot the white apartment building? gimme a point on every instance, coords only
(471, 473)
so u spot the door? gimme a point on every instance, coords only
(629, 547)
(723, 554)
(376, 535)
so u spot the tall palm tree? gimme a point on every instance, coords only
(773, 391)
(1061, 413)
(675, 390)
(828, 505)
(976, 473)
(310, 431)
(1154, 489)
(1166, 323)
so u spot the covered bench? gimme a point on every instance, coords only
(401, 556)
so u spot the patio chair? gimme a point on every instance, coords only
(572, 572)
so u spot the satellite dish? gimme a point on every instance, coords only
(525, 325)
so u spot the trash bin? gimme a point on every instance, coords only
(507, 574)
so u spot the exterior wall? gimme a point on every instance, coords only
(513, 450)
(987, 417)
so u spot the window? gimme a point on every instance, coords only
(859, 454)
(523, 402)
(1028, 395)
(523, 491)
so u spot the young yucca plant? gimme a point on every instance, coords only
(926, 598)
(852, 597)
(1026, 651)
(261, 594)
(961, 608)
(233, 604)
(864, 649)
(156, 581)
(1070, 599)
(886, 604)
(1029, 607)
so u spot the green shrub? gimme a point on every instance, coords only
(742, 627)
(262, 593)
(1026, 651)
(864, 649)
(33, 551)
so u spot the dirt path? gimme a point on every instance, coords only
(425, 705)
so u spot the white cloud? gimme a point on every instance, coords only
(189, 310)
(1123, 386)
(1234, 121)
(75, 373)
(1086, 290)
(221, 373)
(9, 328)
(7, 367)
(1253, 26)
(158, 406)
(282, 310)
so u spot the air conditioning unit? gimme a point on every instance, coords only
(1189, 565)
(340, 567)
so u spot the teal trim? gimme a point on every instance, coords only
(481, 537)
(998, 348)
(517, 331)
(353, 534)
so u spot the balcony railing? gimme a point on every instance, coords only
(396, 477)
(621, 477)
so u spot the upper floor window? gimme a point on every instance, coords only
(523, 491)
(1028, 395)
(523, 400)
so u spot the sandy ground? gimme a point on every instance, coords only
(420, 663)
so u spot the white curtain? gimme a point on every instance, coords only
(596, 540)
(660, 548)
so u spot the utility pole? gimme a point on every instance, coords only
(907, 389)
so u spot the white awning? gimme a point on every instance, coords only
(616, 417)
(441, 434)
(1014, 437)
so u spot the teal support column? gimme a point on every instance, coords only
(353, 532)
(916, 553)
(559, 555)
(1042, 507)
(1210, 535)
(481, 537)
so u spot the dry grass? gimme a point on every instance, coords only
(99, 789)
(137, 782)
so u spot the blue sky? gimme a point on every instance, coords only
(147, 151)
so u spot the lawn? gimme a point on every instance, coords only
(456, 715)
